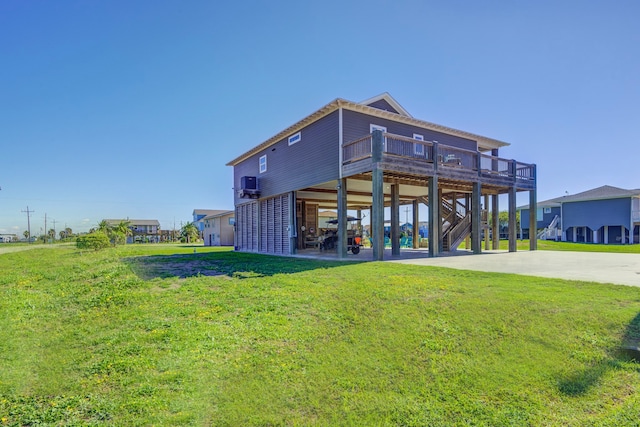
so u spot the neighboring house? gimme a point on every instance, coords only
(601, 215)
(218, 229)
(324, 217)
(373, 155)
(142, 230)
(548, 224)
(199, 214)
(8, 238)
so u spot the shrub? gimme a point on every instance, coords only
(96, 240)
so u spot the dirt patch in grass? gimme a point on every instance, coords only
(173, 266)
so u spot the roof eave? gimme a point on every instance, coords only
(484, 143)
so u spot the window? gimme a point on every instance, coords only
(232, 221)
(373, 127)
(263, 163)
(547, 210)
(294, 138)
(418, 148)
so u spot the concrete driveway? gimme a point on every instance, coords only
(621, 269)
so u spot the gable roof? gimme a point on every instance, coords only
(601, 193)
(216, 215)
(134, 222)
(388, 99)
(206, 212)
(402, 116)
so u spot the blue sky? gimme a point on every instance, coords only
(113, 109)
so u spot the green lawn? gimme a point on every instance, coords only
(158, 335)
(550, 245)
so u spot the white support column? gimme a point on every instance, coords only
(606, 234)
(596, 236)
(575, 234)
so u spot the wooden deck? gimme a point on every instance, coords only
(423, 159)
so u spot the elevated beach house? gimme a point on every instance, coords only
(605, 215)
(373, 156)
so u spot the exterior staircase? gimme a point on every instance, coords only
(456, 223)
(550, 232)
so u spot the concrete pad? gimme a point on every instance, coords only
(621, 269)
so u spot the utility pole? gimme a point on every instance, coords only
(28, 212)
(45, 227)
(54, 230)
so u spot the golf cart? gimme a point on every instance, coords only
(354, 240)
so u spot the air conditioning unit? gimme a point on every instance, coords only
(249, 187)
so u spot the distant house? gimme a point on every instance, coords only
(199, 214)
(142, 230)
(548, 220)
(324, 217)
(601, 215)
(8, 238)
(218, 228)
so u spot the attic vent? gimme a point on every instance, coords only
(294, 138)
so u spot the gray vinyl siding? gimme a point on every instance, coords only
(311, 161)
(383, 105)
(597, 213)
(356, 125)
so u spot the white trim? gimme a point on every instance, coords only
(373, 126)
(395, 104)
(296, 137)
(260, 163)
(418, 149)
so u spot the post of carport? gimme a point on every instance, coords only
(495, 222)
(377, 193)
(476, 244)
(435, 223)
(513, 244)
(486, 229)
(342, 218)
(416, 224)
(395, 219)
(533, 213)
(434, 217)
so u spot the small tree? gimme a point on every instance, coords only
(189, 232)
(96, 241)
(117, 234)
(66, 233)
(120, 232)
(26, 234)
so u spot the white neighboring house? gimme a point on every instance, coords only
(218, 228)
(8, 238)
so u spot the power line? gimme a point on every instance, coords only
(28, 212)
